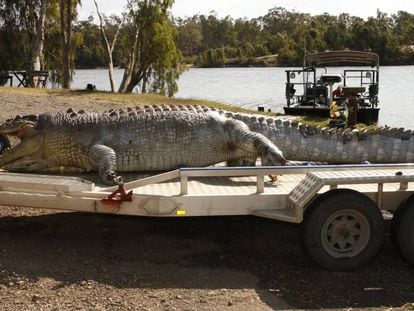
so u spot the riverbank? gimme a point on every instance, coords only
(258, 62)
(37, 100)
(29, 100)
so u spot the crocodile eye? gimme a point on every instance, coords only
(18, 117)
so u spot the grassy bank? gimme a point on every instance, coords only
(55, 98)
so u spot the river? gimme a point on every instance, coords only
(254, 87)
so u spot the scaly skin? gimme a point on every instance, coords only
(167, 137)
(139, 139)
(335, 146)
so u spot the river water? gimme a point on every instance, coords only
(265, 87)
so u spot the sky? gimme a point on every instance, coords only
(256, 8)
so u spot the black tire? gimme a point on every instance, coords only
(402, 230)
(342, 230)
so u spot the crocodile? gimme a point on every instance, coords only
(165, 137)
(150, 138)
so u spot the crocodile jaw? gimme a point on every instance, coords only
(28, 147)
(17, 127)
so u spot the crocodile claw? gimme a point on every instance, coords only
(112, 178)
(118, 180)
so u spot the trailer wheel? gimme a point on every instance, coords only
(402, 230)
(342, 230)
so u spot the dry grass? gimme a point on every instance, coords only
(119, 100)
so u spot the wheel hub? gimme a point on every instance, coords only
(345, 233)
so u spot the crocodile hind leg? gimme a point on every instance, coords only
(250, 144)
(104, 158)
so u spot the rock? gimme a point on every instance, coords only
(35, 298)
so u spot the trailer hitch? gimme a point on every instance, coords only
(118, 196)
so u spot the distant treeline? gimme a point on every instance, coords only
(209, 41)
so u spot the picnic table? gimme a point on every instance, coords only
(31, 78)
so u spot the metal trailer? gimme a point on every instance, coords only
(338, 206)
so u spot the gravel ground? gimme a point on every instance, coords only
(51, 260)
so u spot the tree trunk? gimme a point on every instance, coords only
(130, 67)
(134, 79)
(109, 46)
(40, 36)
(111, 73)
(65, 31)
(126, 78)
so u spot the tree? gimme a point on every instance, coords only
(91, 52)
(67, 9)
(109, 44)
(40, 35)
(247, 31)
(404, 27)
(153, 61)
(189, 37)
(65, 33)
(24, 25)
(14, 40)
(287, 54)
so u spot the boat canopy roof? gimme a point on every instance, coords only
(342, 57)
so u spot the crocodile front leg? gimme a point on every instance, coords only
(269, 153)
(104, 158)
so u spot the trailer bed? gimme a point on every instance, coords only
(212, 191)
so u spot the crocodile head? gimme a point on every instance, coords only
(20, 126)
(25, 154)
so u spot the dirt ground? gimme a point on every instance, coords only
(51, 260)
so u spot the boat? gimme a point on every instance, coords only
(312, 90)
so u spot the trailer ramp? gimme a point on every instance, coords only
(309, 187)
(34, 182)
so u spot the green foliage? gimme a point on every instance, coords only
(206, 40)
(189, 37)
(284, 33)
(91, 52)
(14, 50)
(212, 58)
(166, 60)
(153, 62)
(18, 24)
